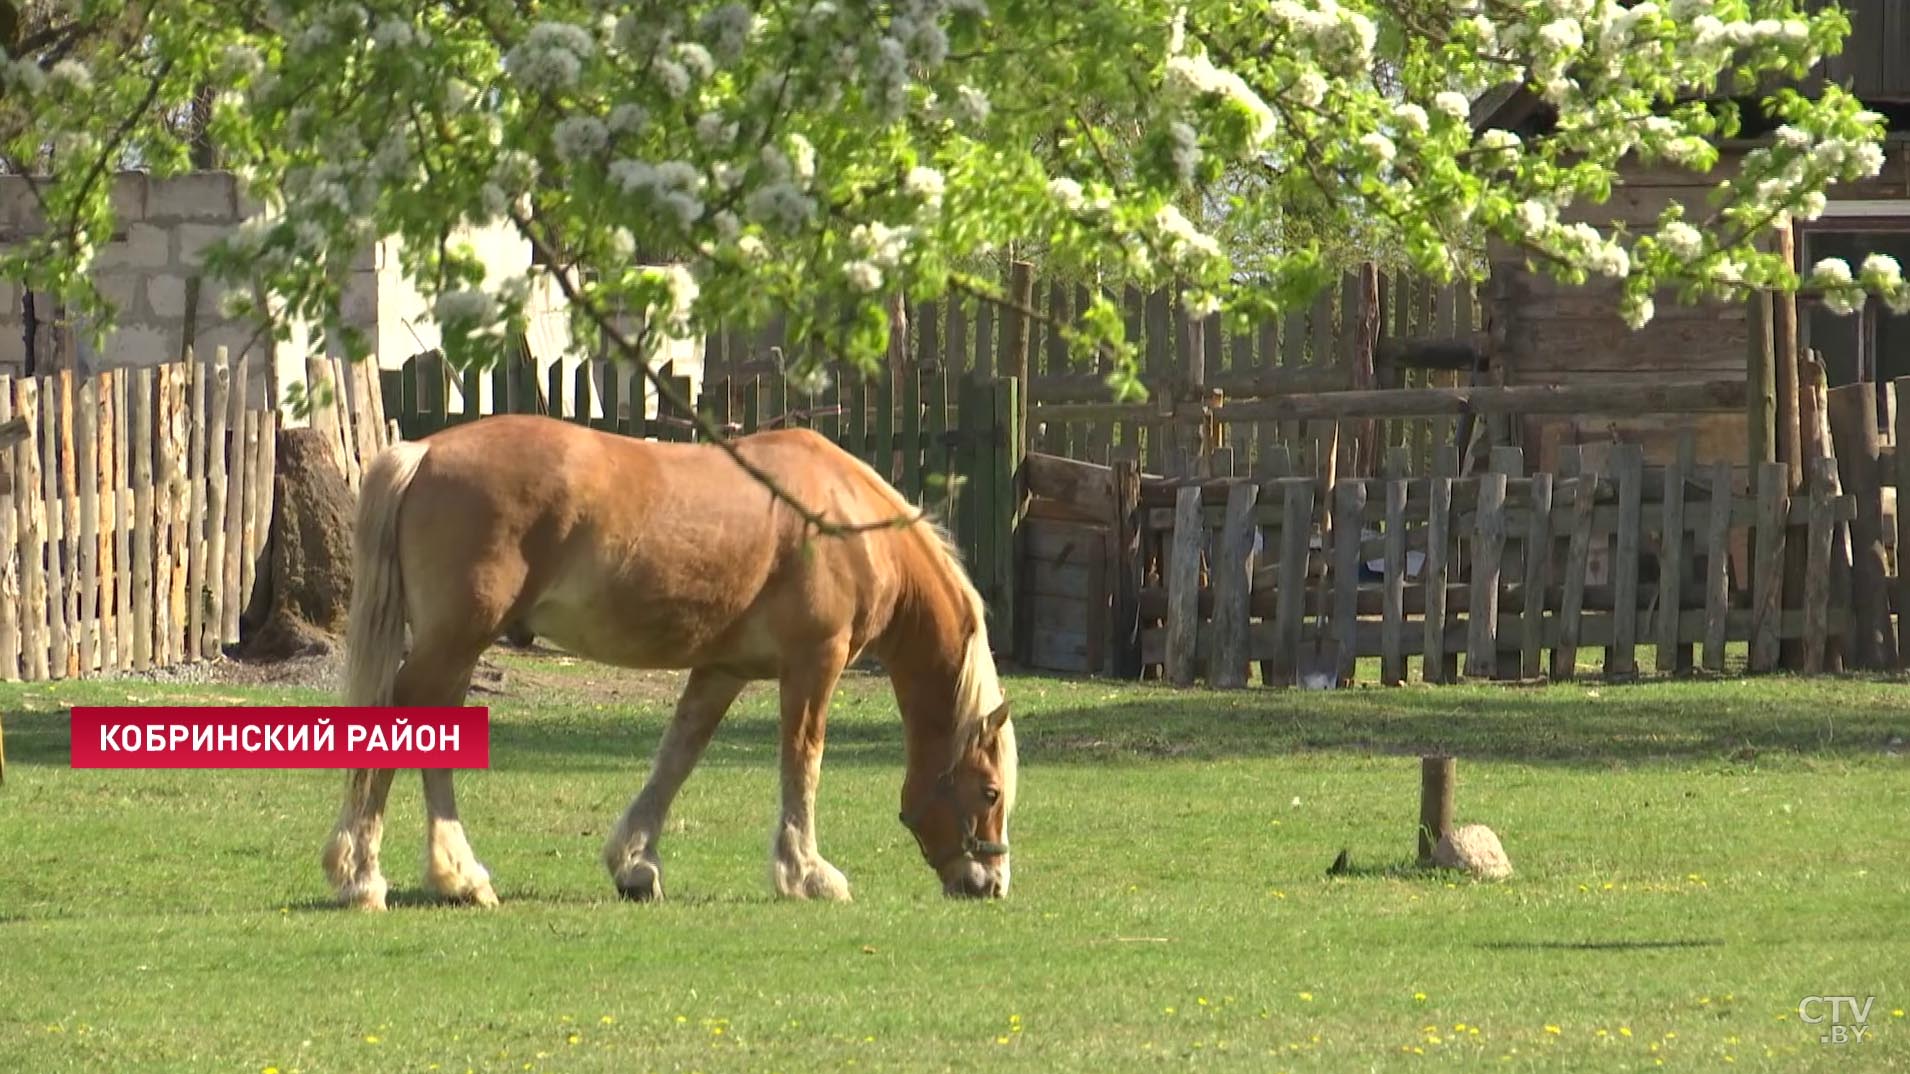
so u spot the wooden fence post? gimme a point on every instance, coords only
(1349, 499)
(1392, 658)
(1870, 642)
(1437, 778)
(218, 413)
(1773, 510)
(1622, 658)
(1296, 534)
(1762, 374)
(1436, 664)
(1125, 646)
(1482, 610)
(9, 550)
(1717, 569)
(1232, 574)
(1183, 585)
(1673, 655)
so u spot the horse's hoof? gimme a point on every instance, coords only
(644, 883)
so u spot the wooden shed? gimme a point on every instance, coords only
(1542, 332)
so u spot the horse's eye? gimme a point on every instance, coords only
(991, 794)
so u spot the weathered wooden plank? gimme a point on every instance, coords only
(218, 414)
(347, 429)
(1628, 461)
(266, 478)
(178, 485)
(1482, 615)
(31, 500)
(1538, 576)
(1232, 574)
(1436, 666)
(1853, 425)
(1392, 668)
(238, 475)
(1349, 501)
(85, 436)
(1817, 566)
(145, 547)
(1183, 588)
(1296, 532)
(1572, 599)
(1717, 568)
(1672, 397)
(1902, 479)
(1767, 571)
(9, 552)
(1671, 562)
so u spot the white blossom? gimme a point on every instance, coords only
(551, 57)
(1452, 104)
(578, 137)
(70, 75)
(1681, 239)
(1066, 193)
(926, 185)
(863, 276)
(464, 305)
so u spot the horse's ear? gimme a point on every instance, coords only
(995, 721)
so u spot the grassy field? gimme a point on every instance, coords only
(1693, 860)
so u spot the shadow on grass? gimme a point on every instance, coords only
(1063, 722)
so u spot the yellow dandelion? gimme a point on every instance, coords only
(1001, 1040)
(1202, 1000)
(1704, 1001)
(680, 1019)
(1624, 1031)
(1167, 1010)
(1278, 894)
(1418, 1050)
(1554, 1030)
(1603, 1033)
(1306, 997)
(1730, 1058)
(574, 1039)
(1419, 997)
(372, 1038)
(1898, 1013)
(1459, 1027)
(268, 1070)
(1472, 1031)
(1434, 1039)
(607, 1020)
(1671, 1034)
(1658, 1062)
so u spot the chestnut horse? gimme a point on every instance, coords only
(659, 555)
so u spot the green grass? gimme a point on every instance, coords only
(1693, 859)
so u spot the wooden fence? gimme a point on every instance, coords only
(133, 508)
(1518, 575)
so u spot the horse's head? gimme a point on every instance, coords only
(959, 816)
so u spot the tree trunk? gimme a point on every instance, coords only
(303, 593)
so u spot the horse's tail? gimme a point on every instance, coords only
(375, 636)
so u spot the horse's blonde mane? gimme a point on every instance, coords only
(978, 692)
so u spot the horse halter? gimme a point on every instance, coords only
(970, 848)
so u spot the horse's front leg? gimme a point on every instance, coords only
(631, 853)
(797, 869)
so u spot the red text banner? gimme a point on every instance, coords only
(229, 736)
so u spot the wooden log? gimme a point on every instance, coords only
(218, 414)
(31, 506)
(1572, 599)
(1438, 778)
(85, 435)
(1482, 616)
(1183, 589)
(1671, 657)
(1768, 565)
(178, 470)
(1349, 501)
(1538, 576)
(1717, 570)
(145, 539)
(58, 638)
(1092, 388)
(1232, 583)
(1453, 353)
(9, 550)
(322, 395)
(238, 475)
(163, 475)
(1296, 535)
(1853, 422)
(196, 549)
(106, 509)
(123, 392)
(1628, 460)
(1761, 379)
(1435, 667)
(249, 519)
(1392, 667)
(1016, 328)
(347, 433)
(1785, 366)
(1669, 397)
(1125, 644)
(1817, 573)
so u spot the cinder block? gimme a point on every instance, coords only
(122, 290)
(193, 240)
(358, 305)
(203, 196)
(13, 344)
(129, 198)
(166, 294)
(18, 210)
(140, 345)
(145, 247)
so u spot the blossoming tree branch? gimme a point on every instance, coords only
(685, 163)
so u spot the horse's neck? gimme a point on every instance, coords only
(924, 649)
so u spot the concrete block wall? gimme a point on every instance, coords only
(156, 259)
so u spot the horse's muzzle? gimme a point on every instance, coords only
(973, 880)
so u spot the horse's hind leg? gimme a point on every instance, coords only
(631, 853)
(441, 676)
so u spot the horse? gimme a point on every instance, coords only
(644, 554)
